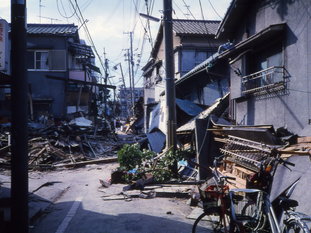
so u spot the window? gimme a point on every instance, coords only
(41, 60)
(192, 58)
(266, 72)
(53, 60)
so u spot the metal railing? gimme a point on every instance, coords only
(264, 81)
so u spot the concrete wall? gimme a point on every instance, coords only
(292, 108)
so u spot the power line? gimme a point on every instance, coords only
(214, 9)
(174, 2)
(81, 19)
(64, 15)
(188, 8)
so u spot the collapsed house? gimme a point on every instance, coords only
(265, 65)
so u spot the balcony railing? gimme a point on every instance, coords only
(264, 81)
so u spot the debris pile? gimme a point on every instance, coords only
(246, 148)
(62, 143)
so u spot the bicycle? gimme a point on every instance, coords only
(257, 213)
(215, 201)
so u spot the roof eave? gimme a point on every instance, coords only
(231, 18)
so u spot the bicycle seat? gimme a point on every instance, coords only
(286, 204)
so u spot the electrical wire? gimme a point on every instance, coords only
(174, 2)
(214, 9)
(82, 20)
(188, 8)
(61, 14)
(201, 8)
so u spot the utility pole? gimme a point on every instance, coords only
(19, 163)
(130, 80)
(105, 89)
(132, 70)
(169, 76)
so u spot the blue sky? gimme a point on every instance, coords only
(109, 21)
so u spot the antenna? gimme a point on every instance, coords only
(49, 19)
(40, 8)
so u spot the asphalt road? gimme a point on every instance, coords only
(78, 206)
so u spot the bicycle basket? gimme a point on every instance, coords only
(246, 205)
(211, 194)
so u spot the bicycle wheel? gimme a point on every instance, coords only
(210, 221)
(253, 224)
(295, 227)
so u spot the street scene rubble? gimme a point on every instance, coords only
(209, 133)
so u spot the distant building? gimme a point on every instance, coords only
(126, 102)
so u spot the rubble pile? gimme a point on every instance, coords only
(62, 143)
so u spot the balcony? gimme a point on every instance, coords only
(265, 81)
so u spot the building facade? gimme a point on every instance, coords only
(270, 62)
(193, 43)
(60, 69)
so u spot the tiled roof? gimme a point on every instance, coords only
(199, 27)
(52, 29)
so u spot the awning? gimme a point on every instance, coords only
(188, 107)
(81, 49)
(81, 82)
(259, 38)
(94, 68)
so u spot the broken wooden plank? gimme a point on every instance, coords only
(5, 149)
(105, 160)
(303, 139)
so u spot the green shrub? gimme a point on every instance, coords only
(130, 156)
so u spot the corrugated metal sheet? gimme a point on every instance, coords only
(52, 29)
(198, 27)
(190, 125)
(156, 141)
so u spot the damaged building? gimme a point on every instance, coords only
(253, 93)
(193, 42)
(61, 72)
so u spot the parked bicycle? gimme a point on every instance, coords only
(252, 211)
(216, 204)
(249, 210)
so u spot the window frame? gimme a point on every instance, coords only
(35, 51)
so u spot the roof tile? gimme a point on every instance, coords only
(199, 27)
(52, 29)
